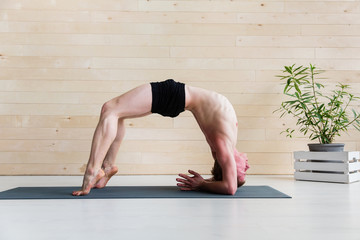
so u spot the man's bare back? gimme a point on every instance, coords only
(214, 114)
(217, 119)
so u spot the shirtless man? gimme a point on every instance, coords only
(213, 112)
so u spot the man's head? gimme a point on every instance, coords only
(242, 166)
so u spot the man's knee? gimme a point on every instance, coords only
(107, 109)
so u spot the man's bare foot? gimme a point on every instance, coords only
(109, 172)
(89, 181)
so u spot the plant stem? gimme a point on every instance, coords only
(331, 109)
(298, 116)
(314, 92)
(306, 108)
(344, 127)
(332, 126)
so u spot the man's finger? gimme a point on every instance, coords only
(194, 173)
(182, 180)
(185, 176)
(183, 185)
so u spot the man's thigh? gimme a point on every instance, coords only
(134, 103)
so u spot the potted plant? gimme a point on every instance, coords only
(320, 115)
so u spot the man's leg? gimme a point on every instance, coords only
(108, 165)
(135, 103)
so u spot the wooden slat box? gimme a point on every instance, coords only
(340, 167)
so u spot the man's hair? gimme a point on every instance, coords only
(216, 171)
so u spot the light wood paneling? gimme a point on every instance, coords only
(322, 7)
(210, 6)
(125, 76)
(298, 18)
(61, 60)
(76, 5)
(298, 41)
(150, 28)
(241, 52)
(85, 51)
(115, 39)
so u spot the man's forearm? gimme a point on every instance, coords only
(219, 187)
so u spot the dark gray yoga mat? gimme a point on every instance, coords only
(135, 192)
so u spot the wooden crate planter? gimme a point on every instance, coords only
(340, 167)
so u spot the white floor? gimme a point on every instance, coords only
(316, 211)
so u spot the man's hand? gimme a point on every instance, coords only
(188, 183)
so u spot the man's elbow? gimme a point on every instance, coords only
(231, 190)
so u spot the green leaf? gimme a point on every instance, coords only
(319, 85)
(288, 82)
(288, 69)
(303, 70)
(297, 88)
(286, 88)
(303, 105)
(297, 68)
(313, 138)
(354, 112)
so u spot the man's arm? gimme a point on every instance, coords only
(228, 185)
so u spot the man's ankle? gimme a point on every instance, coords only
(107, 165)
(91, 171)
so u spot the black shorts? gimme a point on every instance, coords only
(168, 98)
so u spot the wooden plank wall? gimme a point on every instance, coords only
(60, 60)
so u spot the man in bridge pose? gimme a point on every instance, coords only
(213, 112)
